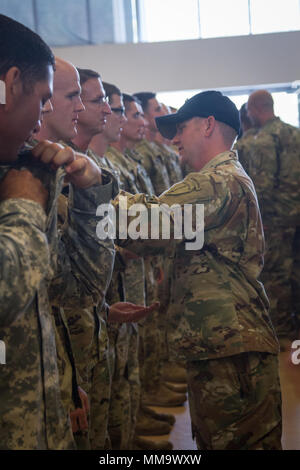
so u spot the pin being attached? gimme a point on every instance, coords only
(2, 92)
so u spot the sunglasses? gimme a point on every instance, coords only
(119, 111)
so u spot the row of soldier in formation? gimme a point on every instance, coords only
(84, 357)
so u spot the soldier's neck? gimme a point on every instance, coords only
(265, 118)
(46, 133)
(99, 144)
(117, 146)
(82, 141)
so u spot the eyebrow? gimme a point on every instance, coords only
(74, 93)
(98, 97)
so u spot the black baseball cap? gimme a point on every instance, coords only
(207, 103)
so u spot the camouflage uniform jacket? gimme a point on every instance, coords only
(133, 177)
(274, 166)
(153, 162)
(241, 146)
(143, 180)
(31, 412)
(84, 324)
(219, 308)
(171, 159)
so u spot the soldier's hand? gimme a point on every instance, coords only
(126, 312)
(22, 184)
(84, 400)
(81, 170)
(53, 154)
(79, 415)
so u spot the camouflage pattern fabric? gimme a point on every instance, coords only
(151, 336)
(219, 309)
(218, 306)
(118, 420)
(171, 160)
(235, 402)
(30, 379)
(89, 339)
(153, 344)
(126, 383)
(153, 162)
(241, 147)
(100, 393)
(65, 363)
(273, 159)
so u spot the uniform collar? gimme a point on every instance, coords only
(274, 119)
(220, 159)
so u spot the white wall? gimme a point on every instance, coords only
(196, 64)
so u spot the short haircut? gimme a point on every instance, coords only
(87, 74)
(20, 47)
(228, 133)
(144, 97)
(111, 90)
(127, 99)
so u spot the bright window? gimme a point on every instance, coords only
(219, 18)
(168, 20)
(285, 104)
(268, 16)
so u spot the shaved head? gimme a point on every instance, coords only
(262, 99)
(260, 107)
(61, 124)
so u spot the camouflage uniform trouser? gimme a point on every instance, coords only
(125, 395)
(277, 279)
(235, 402)
(97, 385)
(151, 333)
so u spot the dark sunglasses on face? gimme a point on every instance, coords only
(119, 111)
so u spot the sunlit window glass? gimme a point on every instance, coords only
(219, 18)
(62, 23)
(19, 11)
(169, 20)
(285, 104)
(269, 16)
(286, 107)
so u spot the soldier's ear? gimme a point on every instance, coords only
(14, 87)
(210, 123)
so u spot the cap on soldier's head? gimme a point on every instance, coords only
(207, 103)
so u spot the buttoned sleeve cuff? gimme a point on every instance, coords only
(86, 200)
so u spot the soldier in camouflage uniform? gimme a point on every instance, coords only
(272, 159)
(169, 153)
(123, 418)
(133, 178)
(88, 328)
(163, 169)
(32, 415)
(247, 133)
(219, 320)
(27, 421)
(122, 338)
